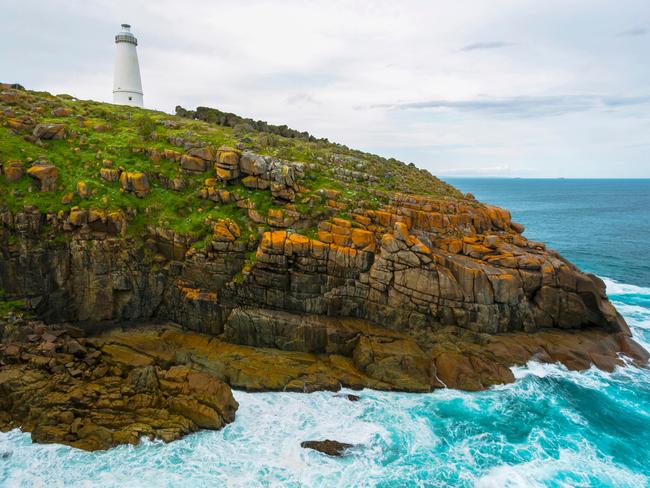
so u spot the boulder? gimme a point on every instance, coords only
(83, 190)
(225, 230)
(204, 153)
(253, 164)
(13, 171)
(255, 182)
(67, 390)
(45, 174)
(193, 163)
(20, 123)
(349, 396)
(136, 182)
(172, 155)
(109, 174)
(62, 112)
(67, 198)
(227, 165)
(49, 131)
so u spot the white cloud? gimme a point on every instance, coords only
(312, 64)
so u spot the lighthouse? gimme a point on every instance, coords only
(127, 86)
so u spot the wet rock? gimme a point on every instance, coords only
(327, 446)
(350, 397)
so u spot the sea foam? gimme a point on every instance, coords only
(551, 427)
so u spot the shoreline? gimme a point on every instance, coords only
(139, 369)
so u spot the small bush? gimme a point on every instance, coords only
(145, 126)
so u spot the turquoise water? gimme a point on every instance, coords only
(550, 428)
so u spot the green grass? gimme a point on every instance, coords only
(10, 306)
(132, 130)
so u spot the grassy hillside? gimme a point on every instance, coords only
(98, 135)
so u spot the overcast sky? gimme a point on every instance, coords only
(476, 88)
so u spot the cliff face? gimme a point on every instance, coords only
(396, 289)
(296, 264)
(414, 265)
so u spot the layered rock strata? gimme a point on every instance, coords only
(416, 266)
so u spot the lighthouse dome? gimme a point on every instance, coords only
(125, 35)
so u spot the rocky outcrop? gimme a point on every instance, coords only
(266, 274)
(227, 166)
(408, 272)
(65, 388)
(62, 112)
(413, 268)
(264, 172)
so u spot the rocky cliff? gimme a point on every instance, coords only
(288, 262)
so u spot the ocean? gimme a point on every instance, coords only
(551, 427)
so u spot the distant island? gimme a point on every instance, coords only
(152, 262)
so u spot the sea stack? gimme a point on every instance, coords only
(127, 85)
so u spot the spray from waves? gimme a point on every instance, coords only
(635, 315)
(633, 302)
(616, 288)
(626, 295)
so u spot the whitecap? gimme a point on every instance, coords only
(616, 288)
(580, 465)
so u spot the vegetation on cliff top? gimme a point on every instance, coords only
(92, 145)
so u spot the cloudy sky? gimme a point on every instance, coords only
(475, 88)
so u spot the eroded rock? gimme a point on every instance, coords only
(66, 390)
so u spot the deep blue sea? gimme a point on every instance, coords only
(550, 428)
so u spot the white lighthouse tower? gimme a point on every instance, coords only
(127, 86)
